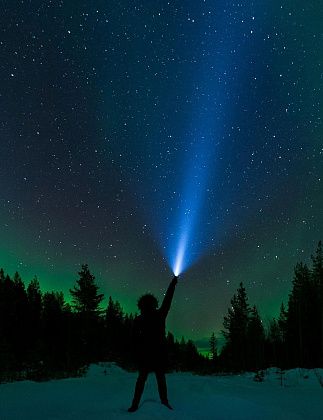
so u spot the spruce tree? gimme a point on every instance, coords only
(213, 347)
(114, 313)
(235, 330)
(317, 273)
(34, 297)
(19, 323)
(53, 325)
(2, 306)
(255, 341)
(86, 302)
(85, 297)
(7, 361)
(300, 315)
(282, 323)
(273, 344)
(114, 317)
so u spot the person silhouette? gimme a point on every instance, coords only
(150, 345)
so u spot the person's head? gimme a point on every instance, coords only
(147, 303)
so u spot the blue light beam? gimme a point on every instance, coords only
(187, 244)
(217, 82)
(186, 221)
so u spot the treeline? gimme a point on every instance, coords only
(294, 339)
(42, 336)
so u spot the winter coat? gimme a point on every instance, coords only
(150, 345)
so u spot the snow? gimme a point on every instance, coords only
(106, 393)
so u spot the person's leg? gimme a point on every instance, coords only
(140, 385)
(162, 387)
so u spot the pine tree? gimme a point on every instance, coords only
(53, 328)
(114, 321)
(317, 261)
(282, 323)
(2, 276)
(6, 319)
(114, 313)
(2, 304)
(34, 297)
(317, 273)
(213, 347)
(19, 323)
(128, 346)
(86, 302)
(189, 355)
(273, 343)
(235, 333)
(300, 314)
(172, 351)
(85, 297)
(192, 355)
(255, 341)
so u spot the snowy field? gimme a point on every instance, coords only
(106, 393)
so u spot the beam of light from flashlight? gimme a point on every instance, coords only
(183, 251)
(179, 258)
(186, 242)
(188, 233)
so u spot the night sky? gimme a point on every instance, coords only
(131, 127)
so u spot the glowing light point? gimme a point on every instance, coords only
(178, 263)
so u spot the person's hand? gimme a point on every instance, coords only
(175, 279)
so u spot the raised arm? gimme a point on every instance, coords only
(165, 306)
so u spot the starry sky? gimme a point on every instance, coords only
(127, 124)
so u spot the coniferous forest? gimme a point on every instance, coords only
(43, 336)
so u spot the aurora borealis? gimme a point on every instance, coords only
(127, 125)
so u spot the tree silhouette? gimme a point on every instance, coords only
(213, 347)
(86, 302)
(7, 358)
(34, 297)
(235, 330)
(298, 316)
(42, 336)
(53, 327)
(317, 274)
(18, 332)
(273, 344)
(114, 323)
(282, 323)
(85, 297)
(255, 340)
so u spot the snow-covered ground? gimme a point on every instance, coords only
(106, 393)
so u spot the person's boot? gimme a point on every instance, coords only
(162, 389)
(166, 404)
(133, 408)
